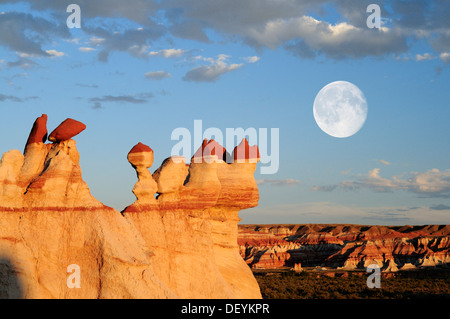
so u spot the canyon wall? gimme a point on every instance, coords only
(178, 240)
(347, 247)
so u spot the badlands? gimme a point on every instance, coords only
(344, 247)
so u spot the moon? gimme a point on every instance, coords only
(340, 109)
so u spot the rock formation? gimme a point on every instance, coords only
(347, 247)
(192, 225)
(66, 130)
(181, 244)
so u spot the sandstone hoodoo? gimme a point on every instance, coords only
(196, 213)
(38, 132)
(66, 130)
(178, 239)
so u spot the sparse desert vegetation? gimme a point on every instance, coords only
(312, 285)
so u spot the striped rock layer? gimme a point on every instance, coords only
(346, 247)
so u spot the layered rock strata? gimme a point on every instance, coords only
(347, 247)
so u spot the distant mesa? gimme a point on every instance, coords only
(66, 130)
(38, 132)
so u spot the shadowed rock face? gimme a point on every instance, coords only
(181, 244)
(344, 246)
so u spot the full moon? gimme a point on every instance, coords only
(340, 109)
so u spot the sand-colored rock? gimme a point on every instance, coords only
(171, 175)
(54, 222)
(182, 244)
(192, 229)
(141, 158)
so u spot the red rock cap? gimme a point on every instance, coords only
(139, 147)
(246, 152)
(210, 148)
(66, 130)
(38, 132)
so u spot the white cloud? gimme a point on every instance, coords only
(157, 75)
(168, 53)
(211, 72)
(384, 162)
(55, 53)
(252, 59)
(86, 49)
(431, 183)
(445, 57)
(96, 41)
(425, 56)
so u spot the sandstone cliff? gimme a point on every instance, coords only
(181, 244)
(347, 247)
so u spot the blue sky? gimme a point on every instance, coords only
(137, 70)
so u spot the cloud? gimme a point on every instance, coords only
(211, 72)
(431, 183)
(445, 57)
(4, 98)
(324, 188)
(23, 63)
(301, 27)
(384, 162)
(440, 207)
(168, 53)
(55, 53)
(425, 56)
(94, 86)
(157, 75)
(11, 98)
(278, 182)
(121, 39)
(336, 213)
(121, 99)
(86, 49)
(252, 59)
(25, 33)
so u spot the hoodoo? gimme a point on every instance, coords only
(178, 239)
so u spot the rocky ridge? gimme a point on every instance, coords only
(346, 247)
